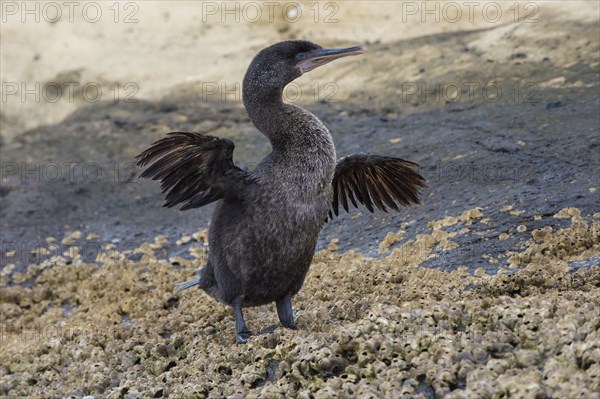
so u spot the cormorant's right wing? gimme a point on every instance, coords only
(375, 180)
(193, 168)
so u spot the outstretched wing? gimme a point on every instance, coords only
(193, 168)
(375, 180)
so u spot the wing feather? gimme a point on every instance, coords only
(375, 181)
(194, 169)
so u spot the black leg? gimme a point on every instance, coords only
(241, 330)
(285, 312)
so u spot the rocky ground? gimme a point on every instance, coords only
(488, 289)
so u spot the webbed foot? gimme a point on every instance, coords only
(242, 337)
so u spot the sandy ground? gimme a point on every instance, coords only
(488, 289)
(156, 46)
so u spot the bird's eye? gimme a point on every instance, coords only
(300, 56)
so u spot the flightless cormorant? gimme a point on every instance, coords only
(265, 226)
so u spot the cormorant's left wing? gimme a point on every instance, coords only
(193, 168)
(375, 180)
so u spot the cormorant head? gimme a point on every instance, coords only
(277, 65)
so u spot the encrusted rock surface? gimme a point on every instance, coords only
(368, 327)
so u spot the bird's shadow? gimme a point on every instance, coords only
(267, 330)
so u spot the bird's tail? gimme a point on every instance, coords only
(186, 284)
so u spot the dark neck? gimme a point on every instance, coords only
(265, 110)
(299, 140)
(290, 129)
(265, 107)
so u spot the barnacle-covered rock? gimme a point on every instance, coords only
(367, 327)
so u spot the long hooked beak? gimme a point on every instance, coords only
(312, 59)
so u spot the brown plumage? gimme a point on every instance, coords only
(193, 168)
(375, 180)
